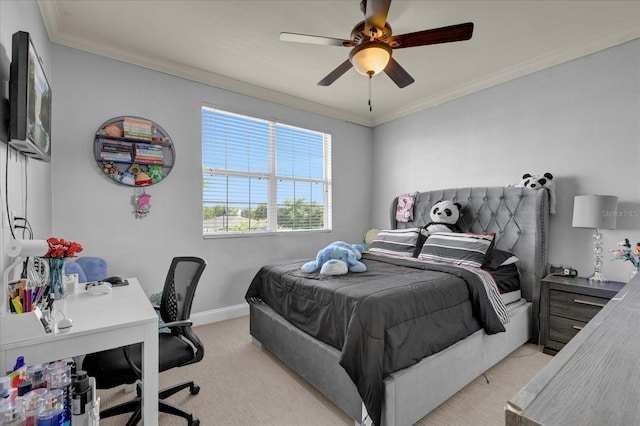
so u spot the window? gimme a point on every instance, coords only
(263, 176)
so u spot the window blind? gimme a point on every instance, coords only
(263, 176)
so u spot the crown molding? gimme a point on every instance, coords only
(50, 15)
(540, 63)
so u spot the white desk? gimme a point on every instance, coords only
(100, 322)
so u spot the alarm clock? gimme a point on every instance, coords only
(564, 271)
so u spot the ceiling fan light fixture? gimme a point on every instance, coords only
(371, 57)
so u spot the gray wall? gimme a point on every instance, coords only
(579, 121)
(29, 192)
(90, 208)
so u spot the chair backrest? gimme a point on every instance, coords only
(180, 287)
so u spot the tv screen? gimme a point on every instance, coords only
(30, 100)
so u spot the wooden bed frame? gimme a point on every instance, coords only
(519, 217)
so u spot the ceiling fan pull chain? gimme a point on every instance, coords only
(370, 106)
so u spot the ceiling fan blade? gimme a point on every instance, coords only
(398, 74)
(458, 32)
(336, 73)
(375, 14)
(313, 39)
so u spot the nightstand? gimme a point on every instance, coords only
(567, 304)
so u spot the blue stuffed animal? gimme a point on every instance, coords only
(350, 254)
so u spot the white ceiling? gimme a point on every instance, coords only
(235, 45)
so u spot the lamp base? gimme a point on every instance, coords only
(597, 278)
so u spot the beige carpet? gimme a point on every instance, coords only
(242, 385)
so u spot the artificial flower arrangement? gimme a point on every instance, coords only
(59, 249)
(62, 248)
(626, 252)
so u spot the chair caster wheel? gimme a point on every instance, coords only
(194, 390)
(195, 422)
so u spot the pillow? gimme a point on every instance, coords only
(397, 242)
(457, 248)
(498, 258)
(95, 268)
(507, 278)
(71, 267)
(155, 299)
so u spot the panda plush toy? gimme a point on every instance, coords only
(539, 182)
(444, 216)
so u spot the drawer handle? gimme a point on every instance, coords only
(577, 327)
(586, 302)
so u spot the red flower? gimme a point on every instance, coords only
(59, 247)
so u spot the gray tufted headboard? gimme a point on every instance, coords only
(518, 216)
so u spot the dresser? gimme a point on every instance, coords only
(594, 379)
(567, 305)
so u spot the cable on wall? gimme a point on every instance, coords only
(6, 191)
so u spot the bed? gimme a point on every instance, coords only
(379, 384)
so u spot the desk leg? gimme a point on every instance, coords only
(150, 375)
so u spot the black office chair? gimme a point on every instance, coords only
(178, 348)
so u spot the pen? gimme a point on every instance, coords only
(21, 292)
(27, 300)
(16, 304)
(39, 294)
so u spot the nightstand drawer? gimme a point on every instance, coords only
(566, 304)
(563, 329)
(575, 306)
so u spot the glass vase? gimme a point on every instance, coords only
(56, 286)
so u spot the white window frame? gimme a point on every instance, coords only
(272, 178)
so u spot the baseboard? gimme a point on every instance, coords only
(215, 315)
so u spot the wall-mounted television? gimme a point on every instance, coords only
(30, 100)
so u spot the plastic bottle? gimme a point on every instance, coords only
(30, 400)
(4, 388)
(36, 374)
(12, 412)
(19, 363)
(82, 399)
(19, 373)
(59, 377)
(50, 409)
(24, 388)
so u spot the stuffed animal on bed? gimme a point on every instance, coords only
(539, 182)
(444, 216)
(349, 254)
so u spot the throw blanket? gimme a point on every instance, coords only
(404, 210)
(382, 320)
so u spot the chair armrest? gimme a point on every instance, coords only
(183, 323)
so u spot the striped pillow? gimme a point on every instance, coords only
(397, 242)
(458, 248)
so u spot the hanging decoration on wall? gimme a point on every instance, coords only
(142, 203)
(133, 151)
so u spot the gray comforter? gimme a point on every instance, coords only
(382, 320)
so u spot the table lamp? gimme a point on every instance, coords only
(596, 212)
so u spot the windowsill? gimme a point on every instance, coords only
(264, 234)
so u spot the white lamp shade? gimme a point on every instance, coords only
(595, 211)
(370, 58)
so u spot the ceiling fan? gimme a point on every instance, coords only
(372, 43)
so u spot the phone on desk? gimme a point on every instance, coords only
(563, 271)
